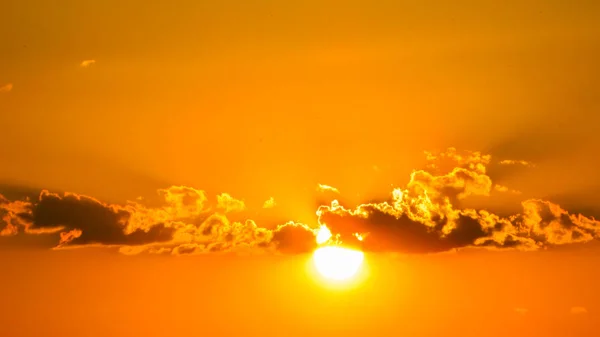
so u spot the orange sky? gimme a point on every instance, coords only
(169, 124)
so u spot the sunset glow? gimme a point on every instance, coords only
(296, 168)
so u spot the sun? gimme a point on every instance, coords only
(337, 263)
(334, 262)
(323, 235)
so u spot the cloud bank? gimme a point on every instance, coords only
(426, 216)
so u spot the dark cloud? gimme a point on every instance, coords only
(184, 224)
(385, 232)
(98, 223)
(294, 238)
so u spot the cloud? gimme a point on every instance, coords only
(184, 224)
(427, 217)
(501, 188)
(135, 250)
(66, 237)
(504, 189)
(294, 238)
(228, 203)
(469, 159)
(517, 162)
(386, 229)
(9, 230)
(87, 63)
(6, 88)
(578, 310)
(188, 249)
(83, 220)
(218, 234)
(327, 188)
(10, 216)
(270, 203)
(183, 201)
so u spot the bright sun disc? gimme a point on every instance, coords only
(337, 263)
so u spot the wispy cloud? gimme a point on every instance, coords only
(327, 188)
(517, 162)
(504, 189)
(270, 203)
(6, 88)
(87, 63)
(578, 310)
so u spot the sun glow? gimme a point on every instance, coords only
(337, 263)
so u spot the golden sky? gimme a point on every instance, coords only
(165, 166)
